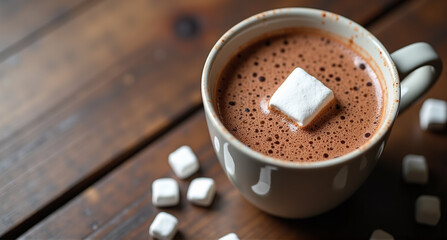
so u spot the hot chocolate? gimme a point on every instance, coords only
(253, 75)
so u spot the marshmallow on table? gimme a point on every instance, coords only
(230, 236)
(184, 162)
(201, 191)
(379, 234)
(428, 210)
(165, 192)
(301, 97)
(414, 169)
(433, 115)
(164, 226)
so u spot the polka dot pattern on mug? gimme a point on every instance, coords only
(340, 179)
(216, 144)
(262, 187)
(229, 162)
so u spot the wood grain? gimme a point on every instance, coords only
(21, 20)
(84, 96)
(119, 205)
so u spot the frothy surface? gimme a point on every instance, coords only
(254, 74)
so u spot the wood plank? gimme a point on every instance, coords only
(84, 96)
(21, 18)
(119, 205)
(44, 74)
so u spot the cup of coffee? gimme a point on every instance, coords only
(296, 172)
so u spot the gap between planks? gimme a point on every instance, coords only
(123, 157)
(46, 28)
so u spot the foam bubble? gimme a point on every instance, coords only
(256, 75)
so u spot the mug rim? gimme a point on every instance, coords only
(387, 119)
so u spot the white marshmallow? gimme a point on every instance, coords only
(414, 169)
(428, 210)
(201, 191)
(301, 97)
(230, 236)
(165, 192)
(164, 226)
(379, 234)
(184, 162)
(433, 115)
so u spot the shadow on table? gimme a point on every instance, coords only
(385, 202)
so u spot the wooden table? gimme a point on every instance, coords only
(94, 95)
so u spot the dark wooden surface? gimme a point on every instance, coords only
(95, 94)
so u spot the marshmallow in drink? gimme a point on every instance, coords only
(201, 191)
(379, 234)
(301, 97)
(183, 162)
(433, 115)
(230, 236)
(165, 192)
(164, 226)
(414, 169)
(428, 210)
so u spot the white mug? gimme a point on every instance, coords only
(299, 190)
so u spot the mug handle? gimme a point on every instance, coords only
(419, 66)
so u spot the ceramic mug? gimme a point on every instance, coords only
(299, 190)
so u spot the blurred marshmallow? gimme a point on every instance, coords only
(433, 115)
(428, 210)
(164, 226)
(201, 191)
(230, 236)
(379, 234)
(184, 162)
(165, 192)
(414, 169)
(301, 97)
